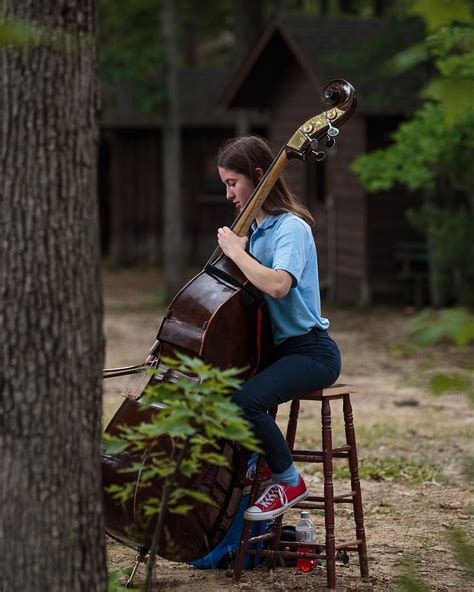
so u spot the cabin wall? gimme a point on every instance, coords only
(132, 194)
(347, 220)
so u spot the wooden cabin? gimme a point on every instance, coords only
(130, 180)
(359, 236)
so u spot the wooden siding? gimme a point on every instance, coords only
(133, 195)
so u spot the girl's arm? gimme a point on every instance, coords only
(274, 282)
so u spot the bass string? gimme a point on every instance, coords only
(140, 381)
(133, 386)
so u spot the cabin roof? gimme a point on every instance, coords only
(199, 92)
(324, 48)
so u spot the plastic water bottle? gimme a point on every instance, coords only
(305, 533)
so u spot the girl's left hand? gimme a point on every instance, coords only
(230, 243)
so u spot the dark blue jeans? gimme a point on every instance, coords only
(300, 364)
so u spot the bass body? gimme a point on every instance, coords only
(214, 317)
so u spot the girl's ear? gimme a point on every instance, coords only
(259, 173)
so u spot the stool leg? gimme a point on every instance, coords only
(246, 530)
(239, 560)
(328, 494)
(276, 540)
(355, 484)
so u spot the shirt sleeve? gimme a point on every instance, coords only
(289, 248)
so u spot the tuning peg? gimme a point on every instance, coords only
(314, 145)
(319, 156)
(332, 131)
(330, 142)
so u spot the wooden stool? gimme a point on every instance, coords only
(326, 551)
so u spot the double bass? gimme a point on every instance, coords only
(217, 303)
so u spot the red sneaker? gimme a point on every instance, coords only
(250, 477)
(275, 500)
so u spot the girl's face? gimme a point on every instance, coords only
(238, 186)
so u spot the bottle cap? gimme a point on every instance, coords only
(304, 514)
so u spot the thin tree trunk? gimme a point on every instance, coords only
(173, 249)
(248, 26)
(51, 531)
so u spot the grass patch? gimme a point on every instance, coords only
(393, 469)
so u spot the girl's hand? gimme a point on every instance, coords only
(230, 243)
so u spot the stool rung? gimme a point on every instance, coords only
(309, 458)
(343, 499)
(309, 506)
(349, 546)
(271, 553)
(338, 452)
(261, 537)
(317, 546)
(337, 498)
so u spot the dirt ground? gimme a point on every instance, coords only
(411, 446)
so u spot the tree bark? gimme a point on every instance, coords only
(51, 531)
(173, 249)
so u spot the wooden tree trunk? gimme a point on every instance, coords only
(51, 529)
(248, 26)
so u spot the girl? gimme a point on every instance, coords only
(284, 267)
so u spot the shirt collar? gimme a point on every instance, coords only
(266, 222)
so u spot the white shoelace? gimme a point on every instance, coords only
(271, 494)
(251, 473)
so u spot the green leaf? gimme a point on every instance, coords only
(200, 496)
(114, 445)
(443, 383)
(453, 95)
(182, 509)
(215, 459)
(437, 13)
(409, 58)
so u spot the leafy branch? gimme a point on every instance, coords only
(195, 414)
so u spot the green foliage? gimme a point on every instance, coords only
(454, 325)
(438, 13)
(131, 48)
(196, 413)
(422, 139)
(434, 150)
(451, 246)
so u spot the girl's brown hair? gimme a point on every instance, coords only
(248, 153)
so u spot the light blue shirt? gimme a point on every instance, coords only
(286, 242)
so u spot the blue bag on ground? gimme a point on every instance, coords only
(224, 554)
